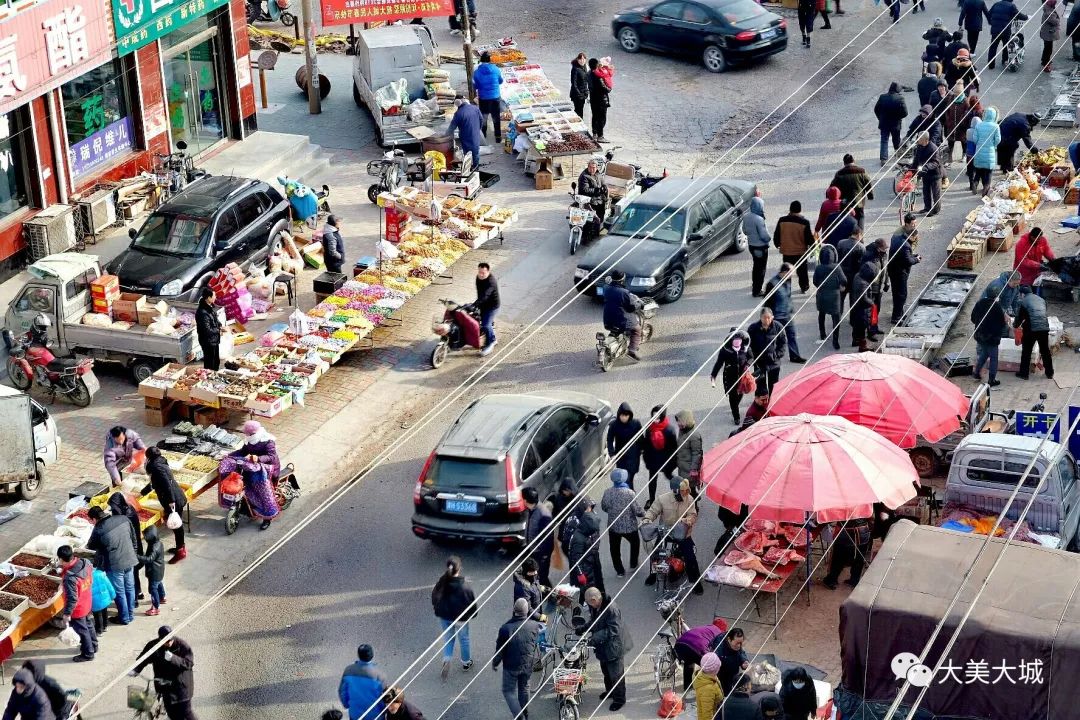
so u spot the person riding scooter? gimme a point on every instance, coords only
(591, 184)
(620, 310)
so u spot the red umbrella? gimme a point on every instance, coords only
(791, 466)
(892, 395)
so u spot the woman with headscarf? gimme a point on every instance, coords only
(829, 296)
(260, 448)
(758, 240)
(830, 205)
(731, 362)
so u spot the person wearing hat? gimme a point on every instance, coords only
(611, 641)
(707, 689)
(28, 700)
(732, 361)
(676, 511)
(620, 311)
(620, 503)
(972, 13)
(260, 447)
(1015, 128)
(962, 69)
(174, 680)
(902, 258)
(986, 136)
(690, 453)
(362, 686)
(515, 650)
(486, 79)
(953, 47)
(936, 38)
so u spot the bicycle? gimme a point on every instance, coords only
(147, 703)
(906, 186)
(666, 664)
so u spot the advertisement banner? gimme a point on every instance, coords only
(1038, 424)
(111, 141)
(344, 12)
(45, 44)
(140, 22)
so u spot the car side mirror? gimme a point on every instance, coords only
(694, 237)
(220, 246)
(573, 186)
(593, 420)
(132, 232)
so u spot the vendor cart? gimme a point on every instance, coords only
(930, 315)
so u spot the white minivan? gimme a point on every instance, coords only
(31, 441)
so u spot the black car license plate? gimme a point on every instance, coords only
(462, 507)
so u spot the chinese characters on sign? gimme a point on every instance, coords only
(344, 12)
(140, 22)
(906, 666)
(107, 143)
(1038, 424)
(48, 44)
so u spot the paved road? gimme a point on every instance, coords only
(276, 645)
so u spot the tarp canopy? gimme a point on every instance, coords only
(1026, 623)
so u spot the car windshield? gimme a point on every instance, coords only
(450, 473)
(174, 234)
(664, 224)
(739, 11)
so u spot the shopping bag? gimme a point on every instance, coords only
(873, 316)
(558, 562)
(69, 637)
(747, 383)
(174, 521)
(1018, 335)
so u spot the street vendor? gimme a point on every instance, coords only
(260, 447)
(121, 447)
(469, 122)
(590, 183)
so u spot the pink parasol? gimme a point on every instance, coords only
(791, 466)
(891, 395)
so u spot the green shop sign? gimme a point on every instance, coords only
(140, 22)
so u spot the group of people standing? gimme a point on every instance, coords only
(592, 80)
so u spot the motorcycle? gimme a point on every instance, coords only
(583, 218)
(233, 499)
(274, 10)
(175, 171)
(615, 344)
(30, 361)
(392, 170)
(569, 677)
(457, 328)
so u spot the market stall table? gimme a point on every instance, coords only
(768, 586)
(30, 621)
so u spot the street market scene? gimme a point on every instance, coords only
(391, 359)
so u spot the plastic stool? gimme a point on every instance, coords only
(288, 280)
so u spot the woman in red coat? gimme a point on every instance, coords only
(1031, 252)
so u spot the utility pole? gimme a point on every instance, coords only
(466, 34)
(311, 60)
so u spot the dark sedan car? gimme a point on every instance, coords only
(717, 32)
(216, 221)
(667, 234)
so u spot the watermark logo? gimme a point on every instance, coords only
(906, 666)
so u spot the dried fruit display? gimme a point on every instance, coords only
(38, 588)
(4, 626)
(10, 602)
(32, 561)
(146, 515)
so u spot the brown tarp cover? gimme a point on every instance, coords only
(1028, 611)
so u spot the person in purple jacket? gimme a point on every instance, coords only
(121, 444)
(694, 643)
(260, 447)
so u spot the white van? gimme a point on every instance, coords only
(31, 441)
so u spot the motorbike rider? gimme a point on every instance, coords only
(591, 183)
(620, 311)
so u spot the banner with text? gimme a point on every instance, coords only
(345, 12)
(140, 22)
(112, 141)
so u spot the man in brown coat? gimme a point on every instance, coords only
(855, 187)
(795, 238)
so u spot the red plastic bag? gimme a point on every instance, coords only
(232, 484)
(670, 705)
(1018, 335)
(873, 316)
(747, 383)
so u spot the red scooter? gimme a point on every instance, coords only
(30, 361)
(458, 328)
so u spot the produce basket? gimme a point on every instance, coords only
(140, 698)
(12, 606)
(567, 680)
(36, 563)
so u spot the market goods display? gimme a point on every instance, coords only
(38, 589)
(30, 560)
(931, 316)
(1045, 158)
(9, 602)
(575, 143)
(948, 289)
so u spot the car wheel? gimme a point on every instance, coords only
(629, 40)
(141, 370)
(925, 462)
(740, 244)
(713, 59)
(676, 284)
(30, 488)
(356, 96)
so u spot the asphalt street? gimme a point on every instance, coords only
(275, 646)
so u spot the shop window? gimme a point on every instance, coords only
(97, 115)
(15, 166)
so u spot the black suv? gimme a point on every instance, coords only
(470, 487)
(215, 221)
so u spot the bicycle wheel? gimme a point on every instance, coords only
(568, 711)
(665, 668)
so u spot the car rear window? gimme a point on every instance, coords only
(447, 473)
(664, 224)
(991, 471)
(739, 11)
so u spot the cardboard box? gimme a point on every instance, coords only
(127, 307)
(544, 180)
(209, 416)
(158, 417)
(153, 388)
(148, 314)
(106, 287)
(202, 396)
(102, 307)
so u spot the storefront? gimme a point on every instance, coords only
(92, 90)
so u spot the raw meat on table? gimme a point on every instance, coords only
(754, 542)
(781, 556)
(762, 526)
(796, 535)
(736, 557)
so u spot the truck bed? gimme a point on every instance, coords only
(94, 341)
(392, 130)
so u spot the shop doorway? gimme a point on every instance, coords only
(193, 87)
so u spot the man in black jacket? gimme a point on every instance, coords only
(1032, 319)
(990, 322)
(926, 161)
(590, 183)
(208, 329)
(620, 312)
(1014, 129)
(537, 536)
(901, 259)
(611, 641)
(579, 84)
(972, 13)
(1001, 15)
(855, 187)
(27, 701)
(890, 110)
(58, 698)
(515, 650)
(115, 542)
(767, 348)
(625, 432)
(169, 494)
(173, 678)
(487, 302)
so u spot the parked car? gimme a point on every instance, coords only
(217, 221)
(667, 234)
(986, 467)
(470, 487)
(717, 32)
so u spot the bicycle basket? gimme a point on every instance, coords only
(907, 183)
(567, 680)
(140, 697)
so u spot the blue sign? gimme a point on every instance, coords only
(1074, 437)
(1038, 424)
(109, 142)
